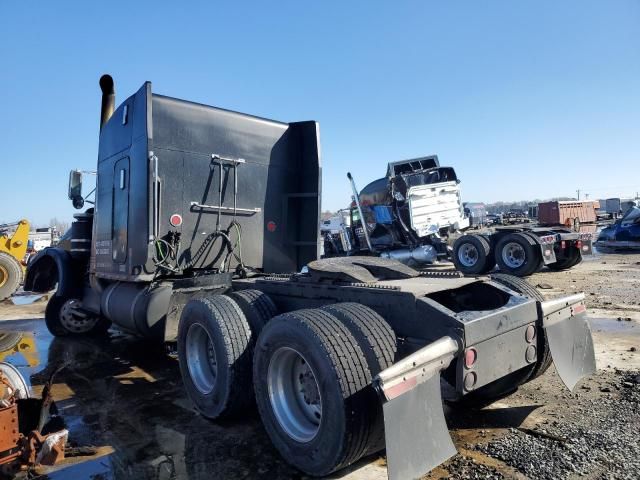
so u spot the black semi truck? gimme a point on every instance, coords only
(201, 219)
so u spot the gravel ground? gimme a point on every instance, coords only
(596, 438)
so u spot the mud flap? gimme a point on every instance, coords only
(569, 338)
(416, 432)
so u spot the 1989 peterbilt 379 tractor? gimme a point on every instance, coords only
(202, 216)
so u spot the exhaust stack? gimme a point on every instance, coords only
(108, 99)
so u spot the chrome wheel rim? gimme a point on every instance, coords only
(294, 394)
(201, 358)
(513, 255)
(468, 255)
(74, 319)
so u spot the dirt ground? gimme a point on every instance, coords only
(126, 396)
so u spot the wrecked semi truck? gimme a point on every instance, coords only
(202, 216)
(415, 212)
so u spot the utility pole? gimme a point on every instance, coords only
(578, 193)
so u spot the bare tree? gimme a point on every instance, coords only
(61, 226)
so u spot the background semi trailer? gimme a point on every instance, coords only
(201, 215)
(415, 212)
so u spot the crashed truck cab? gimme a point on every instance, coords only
(202, 214)
(407, 213)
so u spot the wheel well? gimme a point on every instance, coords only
(42, 275)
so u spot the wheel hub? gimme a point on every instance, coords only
(468, 255)
(513, 255)
(294, 394)
(74, 319)
(201, 359)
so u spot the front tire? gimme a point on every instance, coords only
(10, 275)
(65, 317)
(311, 378)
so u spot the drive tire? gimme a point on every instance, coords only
(339, 433)
(525, 247)
(214, 353)
(502, 387)
(379, 345)
(471, 255)
(10, 275)
(258, 308)
(56, 326)
(566, 263)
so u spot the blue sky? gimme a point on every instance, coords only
(526, 99)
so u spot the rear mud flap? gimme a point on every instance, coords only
(416, 432)
(570, 342)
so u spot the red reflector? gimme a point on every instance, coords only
(579, 244)
(175, 220)
(400, 388)
(470, 357)
(579, 309)
(563, 244)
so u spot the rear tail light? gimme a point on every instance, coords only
(530, 354)
(530, 334)
(579, 244)
(470, 357)
(470, 380)
(563, 244)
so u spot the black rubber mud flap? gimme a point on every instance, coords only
(571, 345)
(416, 433)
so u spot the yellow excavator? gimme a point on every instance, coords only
(13, 248)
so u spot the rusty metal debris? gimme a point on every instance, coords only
(30, 431)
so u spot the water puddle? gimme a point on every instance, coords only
(613, 325)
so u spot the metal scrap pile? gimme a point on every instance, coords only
(31, 432)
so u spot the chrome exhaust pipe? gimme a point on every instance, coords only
(108, 99)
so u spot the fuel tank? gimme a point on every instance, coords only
(138, 308)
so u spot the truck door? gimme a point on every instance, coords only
(120, 211)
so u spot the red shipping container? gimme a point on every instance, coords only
(566, 213)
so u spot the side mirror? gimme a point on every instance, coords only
(75, 188)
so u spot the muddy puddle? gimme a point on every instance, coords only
(126, 395)
(613, 325)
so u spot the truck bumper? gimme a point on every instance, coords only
(417, 439)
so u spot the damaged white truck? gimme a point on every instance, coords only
(202, 214)
(415, 213)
